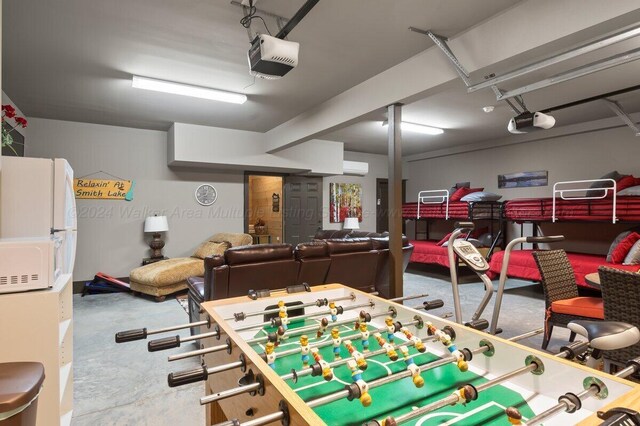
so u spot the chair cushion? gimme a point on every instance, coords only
(210, 248)
(168, 272)
(590, 307)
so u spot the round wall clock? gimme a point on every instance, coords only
(206, 194)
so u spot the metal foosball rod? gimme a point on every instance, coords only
(570, 402)
(142, 333)
(274, 322)
(241, 316)
(195, 375)
(282, 415)
(463, 394)
(295, 374)
(358, 336)
(486, 346)
(224, 347)
(249, 383)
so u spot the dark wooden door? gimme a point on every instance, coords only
(302, 208)
(382, 203)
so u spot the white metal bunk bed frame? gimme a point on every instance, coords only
(572, 190)
(439, 196)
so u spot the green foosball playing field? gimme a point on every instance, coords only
(397, 397)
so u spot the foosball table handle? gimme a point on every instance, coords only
(433, 304)
(165, 343)
(186, 377)
(131, 335)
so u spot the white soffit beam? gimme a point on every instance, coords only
(536, 22)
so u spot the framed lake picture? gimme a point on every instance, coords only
(523, 179)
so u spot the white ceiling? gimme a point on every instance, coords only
(73, 60)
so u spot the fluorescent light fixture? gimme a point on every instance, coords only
(417, 128)
(187, 90)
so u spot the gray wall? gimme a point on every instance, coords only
(579, 156)
(110, 232)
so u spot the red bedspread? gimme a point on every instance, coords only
(429, 252)
(522, 265)
(540, 209)
(457, 210)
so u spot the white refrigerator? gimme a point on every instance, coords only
(37, 203)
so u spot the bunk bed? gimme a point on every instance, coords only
(437, 205)
(571, 201)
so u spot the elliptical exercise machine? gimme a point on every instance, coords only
(461, 249)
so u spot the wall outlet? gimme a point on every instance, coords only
(278, 239)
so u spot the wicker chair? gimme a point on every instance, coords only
(562, 303)
(621, 296)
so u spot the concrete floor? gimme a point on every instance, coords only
(123, 384)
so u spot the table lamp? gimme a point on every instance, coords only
(156, 225)
(351, 223)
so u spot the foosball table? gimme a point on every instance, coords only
(337, 356)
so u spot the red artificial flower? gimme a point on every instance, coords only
(9, 111)
(21, 121)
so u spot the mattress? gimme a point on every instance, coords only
(540, 209)
(457, 210)
(429, 252)
(523, 265)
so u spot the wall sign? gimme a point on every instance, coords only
(103, 189)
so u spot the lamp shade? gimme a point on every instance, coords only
(351, 223)
(156, 224)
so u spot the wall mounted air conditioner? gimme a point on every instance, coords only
(355, 168)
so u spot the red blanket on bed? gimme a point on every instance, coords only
(522, 265)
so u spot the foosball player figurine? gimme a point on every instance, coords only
(445, 339)
(269, 350)
(333, 310)
(356, 376)
(324, 323)
(276, 336)
(327, 372)
(284, 317)
(391, 352)
(391, 329)
(465, 394)
(364, 331)
(362, 317)
(337, 341)
(417, 342)
(357, 356)
(304, 350)
(514, 416)
(418, 381)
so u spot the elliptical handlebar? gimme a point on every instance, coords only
(465, 226)
(545, 239)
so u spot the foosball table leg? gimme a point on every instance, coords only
(214, 413)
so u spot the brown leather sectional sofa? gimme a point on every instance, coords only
(361, 262)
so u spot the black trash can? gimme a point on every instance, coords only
(20, 384)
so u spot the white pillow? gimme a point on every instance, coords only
(633, 257)
(632, 190)
(481, 196)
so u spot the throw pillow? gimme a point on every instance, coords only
(632, 190)
(481, 196)
(615, 243)
(461, 192)
(621, 251)
(209, 248)
(611, 175)
(458, 185)
(625, 182)
(633, 257)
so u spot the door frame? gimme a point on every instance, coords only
(378, 206)
(245, 215)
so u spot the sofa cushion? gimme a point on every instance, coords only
(258, 253)
(348, 246)
(210, 248)
(168, 272)
(235, 239)
(325, 234)
(311, 249)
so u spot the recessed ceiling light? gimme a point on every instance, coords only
(187, 90)
(418, 128)
(488, 108)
